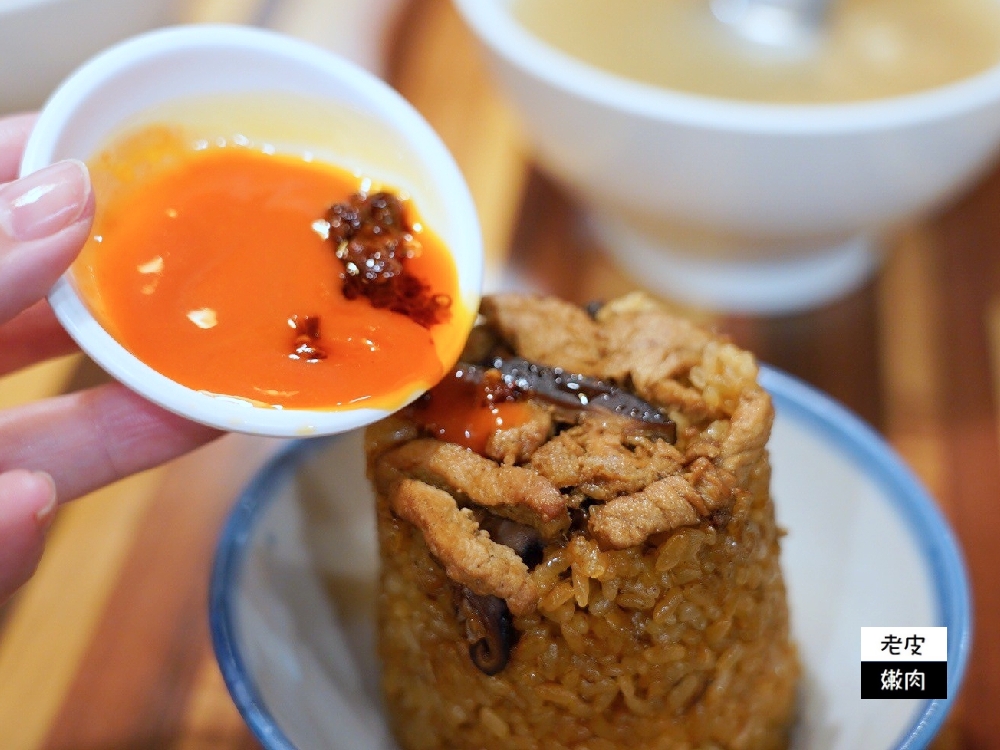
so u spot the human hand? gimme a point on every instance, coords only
(58, 449)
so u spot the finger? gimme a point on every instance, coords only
(88, 439)
(14, 132)
(44, 221)
(27, 508)
(33, 336)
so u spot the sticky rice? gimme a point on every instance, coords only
(590, 558)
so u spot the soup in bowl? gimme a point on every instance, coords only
(727, 198)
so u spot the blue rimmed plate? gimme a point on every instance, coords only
(292, 593)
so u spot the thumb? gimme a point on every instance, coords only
(27, 509)
(44, 220)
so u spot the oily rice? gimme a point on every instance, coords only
(679, 641)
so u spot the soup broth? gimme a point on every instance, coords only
(871, 49)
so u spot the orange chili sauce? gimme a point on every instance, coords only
(197, 263)
(458, 411)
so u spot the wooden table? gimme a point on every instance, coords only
(108, 647)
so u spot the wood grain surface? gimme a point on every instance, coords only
(107, 648)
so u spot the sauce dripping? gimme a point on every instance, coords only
(467, 412)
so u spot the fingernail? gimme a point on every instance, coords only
(44, 202)
(46, 514)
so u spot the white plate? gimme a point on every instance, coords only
(866, 546)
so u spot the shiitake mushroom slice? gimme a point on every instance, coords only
(572, 391)
(489, 628)
(525, 540)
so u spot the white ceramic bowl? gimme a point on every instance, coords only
(42, 41)
(370, 128)
(866, 546)
(738, 205)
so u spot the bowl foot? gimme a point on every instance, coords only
(787, 284)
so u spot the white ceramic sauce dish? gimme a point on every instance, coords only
(371, 129)
(293, 587)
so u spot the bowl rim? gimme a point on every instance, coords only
(227, 567)
(163, 45)
(791, 395)
(496, 27)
